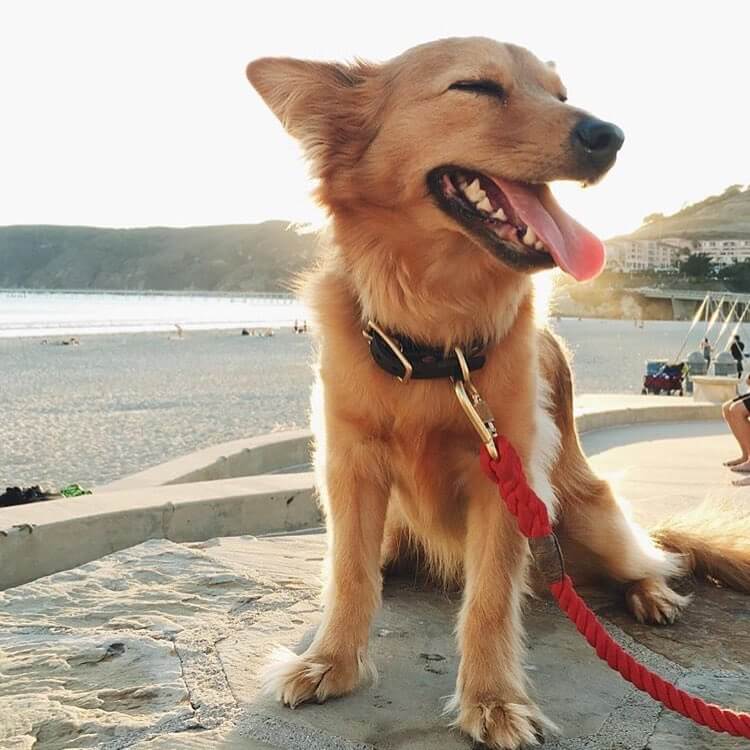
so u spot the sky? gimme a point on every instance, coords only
(139, 113)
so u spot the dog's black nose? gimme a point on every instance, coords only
(599, 141)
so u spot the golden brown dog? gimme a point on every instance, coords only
(433, 168)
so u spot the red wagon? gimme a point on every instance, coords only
(663, 377)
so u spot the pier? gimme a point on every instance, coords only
(685, 302)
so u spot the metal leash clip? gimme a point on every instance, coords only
(475, 406)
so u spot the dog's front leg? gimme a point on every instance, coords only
(337, 660)
(491, 698)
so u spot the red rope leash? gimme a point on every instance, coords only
(533, 521)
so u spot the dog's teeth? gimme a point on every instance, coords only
(538, 245)
(500, 214)
(474, 191)
(485, 205)
(530, 237)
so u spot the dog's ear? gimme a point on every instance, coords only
(329, 107)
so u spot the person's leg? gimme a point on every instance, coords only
(725, 407)
(738, 421)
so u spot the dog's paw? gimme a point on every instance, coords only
(652, 602)
(502, 726)
(294, 679)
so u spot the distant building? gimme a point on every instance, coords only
(724, 252)
(644, 255)
(663, 254)
(679, 242)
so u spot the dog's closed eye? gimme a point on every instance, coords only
(482, 86)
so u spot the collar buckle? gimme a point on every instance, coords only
(394, 346)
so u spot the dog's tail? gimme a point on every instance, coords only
(714, 539)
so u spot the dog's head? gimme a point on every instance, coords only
(457, 136)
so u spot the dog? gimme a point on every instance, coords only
(433, 169)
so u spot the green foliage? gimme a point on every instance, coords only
(736, 277)
(733, 190)
(697, 266)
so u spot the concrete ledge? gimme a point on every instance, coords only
(199, 496)
(660, 409)
(43, 538)
(714, 388)
(263, 454)
(280, 451)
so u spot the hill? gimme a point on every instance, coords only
(251, 257)
(247, 257)
(726, 215)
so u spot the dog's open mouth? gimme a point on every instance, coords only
(520, 223)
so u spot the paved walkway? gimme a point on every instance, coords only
(159, 647)
(665, 468)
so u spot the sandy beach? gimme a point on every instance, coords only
(116, 404)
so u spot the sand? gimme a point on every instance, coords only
(117, 404)
(90, 657)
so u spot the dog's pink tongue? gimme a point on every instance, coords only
(576, 250)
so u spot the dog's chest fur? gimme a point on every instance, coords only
(420, 440)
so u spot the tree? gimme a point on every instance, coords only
(737, 276)
(652, 218)
(697, 266)
(733, 190)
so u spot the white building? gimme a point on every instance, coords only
(724, 252)
(642, 255)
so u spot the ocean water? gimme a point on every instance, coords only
(38, 313)
(120, 402)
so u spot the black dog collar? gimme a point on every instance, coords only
(405, 359)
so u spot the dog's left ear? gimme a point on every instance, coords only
(329, 107)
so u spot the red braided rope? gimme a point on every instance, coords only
(533, 521)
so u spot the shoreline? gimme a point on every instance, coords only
(39, 314)
(7, 335)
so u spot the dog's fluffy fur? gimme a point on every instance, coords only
(397, 464)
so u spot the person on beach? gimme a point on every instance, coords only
(738, 352)
(736, 414)
(706, 347)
